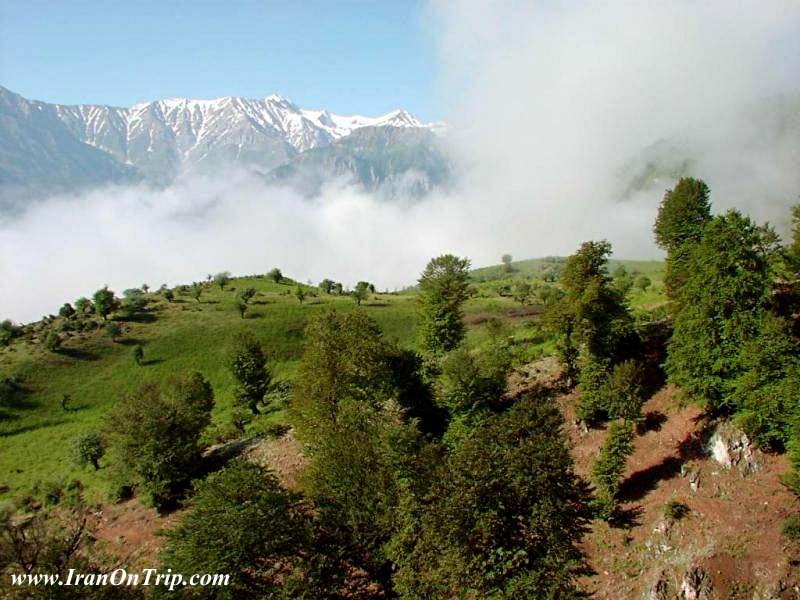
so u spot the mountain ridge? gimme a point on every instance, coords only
(155, 141)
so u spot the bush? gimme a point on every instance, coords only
(138, 354)
(52, 341)
(113, 330)
(470, 535)
(610, 465)
(675, 511)
(791, 527)
(88, 449)
(247, 364)
(155, 433)
(240, 521)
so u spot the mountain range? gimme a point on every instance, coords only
(47, 148)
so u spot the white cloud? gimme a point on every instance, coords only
(548, 101)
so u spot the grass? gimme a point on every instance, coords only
(36, 433)
(186, 335)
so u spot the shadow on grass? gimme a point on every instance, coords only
(138, 318)
(27, 428)
(79, 354)
(152, 361)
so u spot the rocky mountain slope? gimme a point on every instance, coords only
(53, 147)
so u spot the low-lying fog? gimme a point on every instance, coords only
(554, 108)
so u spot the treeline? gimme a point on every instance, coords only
(731, 325)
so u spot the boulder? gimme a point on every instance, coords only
(659, 589)
(730, 447)
(696, 585)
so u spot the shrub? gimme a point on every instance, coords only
(52, 341)
(155, 433)
(88, 449)
(113, 330)
(470, 535)
(240, 521)
(675, 511)
(610, 465)
(247, 364)
(791, 527)
(138, 354)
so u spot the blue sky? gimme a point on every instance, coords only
(346, 56)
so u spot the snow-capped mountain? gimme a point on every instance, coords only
(156, 141)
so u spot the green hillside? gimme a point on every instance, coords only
(36, 432)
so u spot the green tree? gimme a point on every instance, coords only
(472, 534)
(300, 294)
(623, 392)
(506, 260)
(105, 302)
(361, 292)
(344, 357)
(326, 286)
(197, 291)
(222, 279)
(682, 217)
(523, 292)
(241, 306)
(84, 306)
(169, 295)
(793, 250)
(248, 365)
(443, 287)
(337, 288)
(591, 320)
(623, 280)
(155, 434)
(642, 282)
(609, 466)
(134, 302)
(113, 330)
(723, 300)
(67, 311)
(276, 275)
(247, 294)
(765, 393)
(346, 411)
(470, 389)
(240, 521)
(52, 341)
(88, 449)
(138, 354)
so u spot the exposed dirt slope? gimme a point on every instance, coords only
(729, 545)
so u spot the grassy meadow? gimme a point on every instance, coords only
(36, 432)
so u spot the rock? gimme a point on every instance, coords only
(730, 447)
(694, 480)
(696, 585)
(659, 589)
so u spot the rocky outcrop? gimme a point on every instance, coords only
(730, 447)
(659, 589)
(696, 585)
